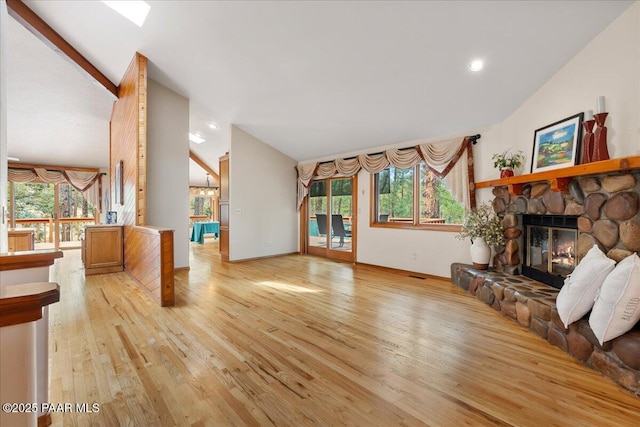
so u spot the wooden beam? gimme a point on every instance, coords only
(38, 27)
(193, 156)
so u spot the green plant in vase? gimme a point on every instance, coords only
(506, 162)
(485, 229)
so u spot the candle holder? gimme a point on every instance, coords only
(600, 151)
(588, 141)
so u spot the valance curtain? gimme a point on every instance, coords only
(80, 180)
(444, 158)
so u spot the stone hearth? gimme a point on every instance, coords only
(533, 305)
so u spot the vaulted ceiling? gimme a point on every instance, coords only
(311, 79)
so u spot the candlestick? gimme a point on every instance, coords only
(600, 103)
(587, 140)
(588, 115)
(600, 151)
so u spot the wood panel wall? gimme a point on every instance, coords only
(142, 140)
(150, 262)
(129, 144)
(148, 251)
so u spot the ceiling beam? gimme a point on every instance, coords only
(193, 156)
(32, 22)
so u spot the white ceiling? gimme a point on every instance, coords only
(55, 116)
(311, 79)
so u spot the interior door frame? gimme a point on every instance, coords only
(327, 252)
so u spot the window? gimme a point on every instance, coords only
(394, 195)
(35, 207)
(200, 208)
(413, 198)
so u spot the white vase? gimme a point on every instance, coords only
(480, 254)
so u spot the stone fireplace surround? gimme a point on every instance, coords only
(608, 209)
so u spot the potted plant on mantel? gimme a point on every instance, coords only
(506, 162)
(484, 228)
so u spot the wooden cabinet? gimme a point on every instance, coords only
(21, 239)
(224, 207)
(102, 249)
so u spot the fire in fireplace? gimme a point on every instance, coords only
(549, 247)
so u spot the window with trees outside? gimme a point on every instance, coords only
(200, 208)
(413, 198)
(35, 207)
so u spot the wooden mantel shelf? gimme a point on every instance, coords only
(559, 179)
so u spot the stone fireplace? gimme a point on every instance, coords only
(606, 212)
(605, 209)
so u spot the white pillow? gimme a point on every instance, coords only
(581, 287)
(617, 306)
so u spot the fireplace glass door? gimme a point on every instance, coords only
(551, 250)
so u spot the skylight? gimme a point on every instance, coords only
(196, 138)
(135, 11)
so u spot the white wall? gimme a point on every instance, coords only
(3, 127)
(609, 65)
(434, 250)
(262, 199)
(168, 166)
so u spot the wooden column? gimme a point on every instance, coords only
(224, 207)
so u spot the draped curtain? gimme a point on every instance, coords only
(80, 180)
(444, 158)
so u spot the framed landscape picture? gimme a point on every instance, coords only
(557, 145)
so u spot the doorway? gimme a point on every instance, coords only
(331, 220)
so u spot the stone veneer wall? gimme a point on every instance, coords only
(533, 305)
(607, 207)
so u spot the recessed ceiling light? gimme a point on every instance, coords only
(196, 138)
(213, 125)
(476, 65)
(135, 11)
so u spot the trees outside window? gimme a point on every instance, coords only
(395, 193)
(413, 197)
(200, 206)
(35, 207)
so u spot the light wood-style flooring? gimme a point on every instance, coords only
(301, 341)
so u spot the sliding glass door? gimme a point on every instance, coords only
(57, 213)
(331, 221)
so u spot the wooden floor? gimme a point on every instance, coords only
(299, 340)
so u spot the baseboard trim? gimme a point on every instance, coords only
(235, 261)
(404, 272)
